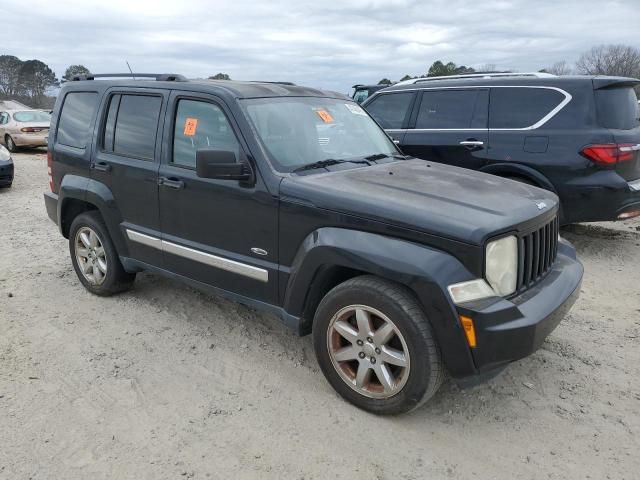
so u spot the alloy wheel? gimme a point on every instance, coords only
(90, 255)
(368, 351)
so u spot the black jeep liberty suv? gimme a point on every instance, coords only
(294, 201)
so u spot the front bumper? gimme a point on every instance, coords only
(511, 329)
(6, 173)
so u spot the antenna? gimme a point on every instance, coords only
(129, 67)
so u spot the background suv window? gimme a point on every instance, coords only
(517, 107)
(201, 125)
(75, 119)
(132, 124)
(390, 109)
(453, 109)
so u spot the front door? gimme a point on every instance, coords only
(127, 161)
(449, 126)
(219, 232)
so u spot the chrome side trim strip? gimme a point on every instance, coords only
(538, 124)
(147, 240)
(232, 266)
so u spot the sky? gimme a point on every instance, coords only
(330, 45)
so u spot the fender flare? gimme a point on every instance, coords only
(425, 271)
(507, 169)
(75, 187)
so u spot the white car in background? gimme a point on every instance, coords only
(24, 128)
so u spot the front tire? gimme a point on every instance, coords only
(94, 257)
(375, 346)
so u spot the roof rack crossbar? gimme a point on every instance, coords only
(486, 75)
(160, 77)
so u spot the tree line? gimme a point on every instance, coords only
(615, 60)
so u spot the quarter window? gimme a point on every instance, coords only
(390, 109)
(460, 109)
(201, 125)
(132, 124)
(75, 119)
(517, 107)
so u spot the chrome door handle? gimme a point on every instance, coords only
(472, 143)
(174, 183)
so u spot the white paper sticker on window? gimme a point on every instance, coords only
(355, 109)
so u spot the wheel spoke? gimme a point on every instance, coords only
(84, 238)
(102, 265)
(346, 353)
(93, 239)
(363, 375)
(385, 377)
(393, 356)
(383, 334)
(86, 266)
(82, 252)
(363, 319)
(97, 274)
(346, 330)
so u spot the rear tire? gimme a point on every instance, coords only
(11, 145)
(94, 257)
(375, 346)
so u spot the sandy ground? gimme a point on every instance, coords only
(167, 382)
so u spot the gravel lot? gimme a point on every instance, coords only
(167, 382)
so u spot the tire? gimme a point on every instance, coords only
(92, 250)
(526, 181)
(341, 360)
(11, 145)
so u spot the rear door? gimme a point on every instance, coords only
(127, 162)
(392, 110)
(449, 126)
(618, 110)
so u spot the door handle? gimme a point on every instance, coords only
(174, 183)
(472, 143)
(101, 166)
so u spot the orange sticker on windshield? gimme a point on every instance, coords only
(325, 116)
(190, 127)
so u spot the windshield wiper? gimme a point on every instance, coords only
(327, 163)
(380, 156)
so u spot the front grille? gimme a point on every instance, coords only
(537, 251)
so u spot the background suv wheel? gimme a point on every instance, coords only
(94, 257)
(375, 346)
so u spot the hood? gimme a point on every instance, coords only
(434, 198)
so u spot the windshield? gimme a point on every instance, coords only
(297, 131)
(31, 116)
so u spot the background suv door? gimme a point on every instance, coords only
(127, 161)
(219, 232)
(392, 110)
(449, 126)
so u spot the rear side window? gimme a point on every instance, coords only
(453, 109)
(618, 108)
(77, 113)
(390, 109)
(201, 125)
(518, 107)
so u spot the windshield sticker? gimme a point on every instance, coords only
(190, 127)
(355, 109)
(325, 116)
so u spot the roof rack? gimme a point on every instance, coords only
(478, 75)
(160, 77)
(273, 83)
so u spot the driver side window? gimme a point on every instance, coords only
(390, 109)
(198, 125)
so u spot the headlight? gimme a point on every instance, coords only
(469, 291)
(4, 154)
(501, 270)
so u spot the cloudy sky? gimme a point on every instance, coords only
(323, 44)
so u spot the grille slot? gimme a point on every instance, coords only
(536, 253)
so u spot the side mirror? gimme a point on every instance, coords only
(221, 164)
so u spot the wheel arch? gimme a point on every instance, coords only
(522, 171)
(330, 256)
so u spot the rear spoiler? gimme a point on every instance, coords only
(614, 82)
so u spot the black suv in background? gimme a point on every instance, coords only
(578, 137)
(362, 92)
(294, 201)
